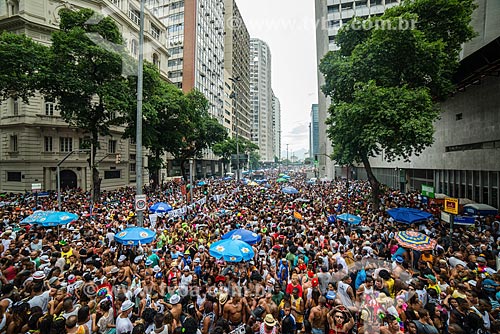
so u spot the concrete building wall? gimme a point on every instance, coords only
(276, 126)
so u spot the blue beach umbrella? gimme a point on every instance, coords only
(244, 235)
(160, 207)
(285, 177)
(56, 218)
(35, 216)
(231, 250)
(289, 190)
(409, 215)
(202, 183)
(350, 219)
(132, 236)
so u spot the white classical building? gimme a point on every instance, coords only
(34, 138)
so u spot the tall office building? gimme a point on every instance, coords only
(314, 133)
(276, 127)
(261, 98)
(195, 42)
(237, 67)
(34, 138)
(332, 14)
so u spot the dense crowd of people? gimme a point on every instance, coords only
(311, 273)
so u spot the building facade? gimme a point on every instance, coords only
(237, 65)
(464, 161)
(195, 43)
(276, 127)
(314, 133)
(261, 98)
(34, 138)
(331, 15)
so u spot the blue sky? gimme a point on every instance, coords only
(289, 30)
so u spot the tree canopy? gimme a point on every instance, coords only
(384, 84)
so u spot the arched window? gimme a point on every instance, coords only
(156, 60)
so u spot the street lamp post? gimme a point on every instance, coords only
(58, 171)
(287, 158)
(191, 180)
(138, 134)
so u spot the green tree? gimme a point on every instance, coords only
(224, 150)
(86, 79)
(162, 116)
(23, 61)
(385, 83)
(199, 131)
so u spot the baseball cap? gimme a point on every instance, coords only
(39, 275)
(156, 269)
(45, 258)
(330, 295)
(431, 277)
(399, 259)
(71, 279)
(315, 282)
(148, 262)
(122, 258)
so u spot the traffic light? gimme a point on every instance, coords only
(118, 158)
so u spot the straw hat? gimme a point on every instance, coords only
(269, 320)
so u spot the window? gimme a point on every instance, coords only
(362, 3)
(112, 146)
(175, 74)
(333, 9)
(13, 143)
(112, 174)
(134, 47)
(117, 3)
(132, 168)
(155, 32)
(175, 28)
(13, 7)
(47, 144)
(175, 17)
(132, 157)
(66, 144)
(174, 51)
(15, 106)
(175, 62)
(84, 143)
(458, 116)
(49, 108)
(346, 6)
(132, 141)
(14, 176)
(156, 60)
(178, 4)
(134, 15)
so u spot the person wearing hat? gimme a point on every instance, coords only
(268, 326)
(175, 307)
(123, 323)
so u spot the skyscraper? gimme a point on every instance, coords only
(314, 134)
(237, 67)
(332, 14)
(261, 98)
(195, 42)
(276, 126)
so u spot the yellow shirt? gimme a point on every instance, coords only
(67, 254)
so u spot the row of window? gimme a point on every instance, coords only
(65, 144)
(108, 174)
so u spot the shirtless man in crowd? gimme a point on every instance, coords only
(318, 317)
(268, 304)
(234, 312)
